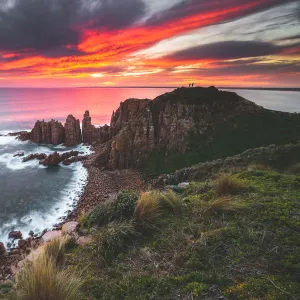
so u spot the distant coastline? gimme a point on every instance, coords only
(159, 87)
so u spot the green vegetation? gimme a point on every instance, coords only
(45, 278)
(242, 244)
(228, 184)
(120, 209)
(235, 237)
(231, 138)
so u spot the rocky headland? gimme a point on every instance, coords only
(189, 126)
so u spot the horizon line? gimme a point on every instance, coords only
(154, 87)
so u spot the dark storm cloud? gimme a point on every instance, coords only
(46, 24)
(241, 68)
(191, 7)
(115, 14)
(226, 50)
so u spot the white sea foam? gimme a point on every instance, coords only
(11, 140)
(38, 221)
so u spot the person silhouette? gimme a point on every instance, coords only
(192, 85)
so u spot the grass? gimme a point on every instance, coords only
(229, 184)
(198, 245)
(152, 206)
(244, 245)
(120, 209)
(44, 279)
(55, 250)
(148, 211)
(112, 239)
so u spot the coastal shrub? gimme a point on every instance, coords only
(101, 215)
(148, 211)
(125, 204)
(55, 250)
(42, 279)
(120, 209)
(228, 184)
(113, 238)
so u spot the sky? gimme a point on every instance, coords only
(73, 43)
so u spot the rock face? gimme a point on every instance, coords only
(48, 133)
(38, 156)
(2, 249)
(164, 124)
(92, 134)
(72, 132)
(55, 158)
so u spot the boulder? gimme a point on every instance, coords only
(39, 156)
(72, 132)
(69, 228)
(21, 243)
(55, 158)
(16, 235)
(19, 154)
(51, 235)
(2, 249)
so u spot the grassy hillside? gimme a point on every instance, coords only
(228, 139)
(236, 237)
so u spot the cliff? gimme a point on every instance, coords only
(178, 129)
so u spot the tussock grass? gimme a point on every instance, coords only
(219, 205)
(55, 250)
(168, 200)
(228, 184)
(152, 206)
(148, 210)
(43, 280)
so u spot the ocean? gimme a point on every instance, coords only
(34, 198)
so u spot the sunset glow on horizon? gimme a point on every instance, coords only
(73, 43)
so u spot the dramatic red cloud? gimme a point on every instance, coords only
(106, 56)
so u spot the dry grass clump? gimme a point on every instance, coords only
(219, 205)
(152, 206)
(44, 280)
(148, 210)
(228, 184)
(168, 200)
(55, 250)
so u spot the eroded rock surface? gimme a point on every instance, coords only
(48, 133)
(72, 132)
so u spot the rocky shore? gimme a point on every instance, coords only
(186, 125)
(102, 185)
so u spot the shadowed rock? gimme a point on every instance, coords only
(48, 133)
(72, 132)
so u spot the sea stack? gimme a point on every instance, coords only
(72, 132)
(48, 133)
